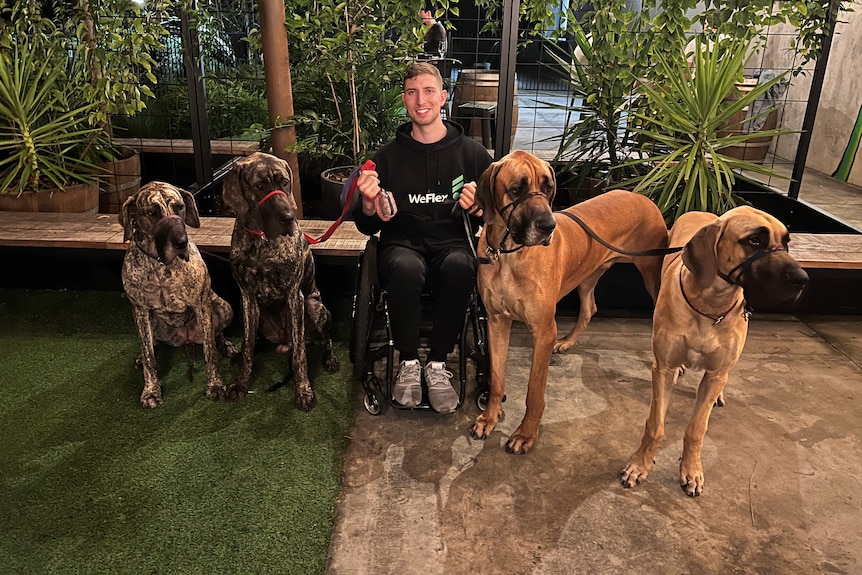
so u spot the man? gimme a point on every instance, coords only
(427, 168)
(435, 42)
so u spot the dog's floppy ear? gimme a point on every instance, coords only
(232, 191)
(485, 191)
(700, 255)
(553, 183)
(127, 215)
(192, 217)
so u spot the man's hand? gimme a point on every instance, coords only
(467, 200)
(368, 184)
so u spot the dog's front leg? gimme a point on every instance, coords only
(152, 394)
(251, 318)
(499, 330)
(304, 393)
(543, 333)
(215, 386)
(690, 468)
(641, 461)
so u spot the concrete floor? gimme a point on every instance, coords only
(783, 467)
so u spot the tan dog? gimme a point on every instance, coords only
(536, 258)
(701, 318)
(169, 286)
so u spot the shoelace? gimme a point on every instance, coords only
(436, 377)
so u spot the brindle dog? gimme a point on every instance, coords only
(169, 285)
(274, 268)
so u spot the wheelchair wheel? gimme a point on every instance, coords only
(482, 400)
(360, 329)
(374, 402)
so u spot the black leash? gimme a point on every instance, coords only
(592, 234)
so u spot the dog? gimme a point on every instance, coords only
(729, 263)
(169, 286)
(273, 266)
(535, 258)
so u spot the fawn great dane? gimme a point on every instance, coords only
(730, 264)
(530, 258)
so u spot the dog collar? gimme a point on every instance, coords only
(716, 319)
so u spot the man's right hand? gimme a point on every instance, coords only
(368, 184)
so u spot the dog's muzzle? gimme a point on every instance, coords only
(771, 280)
(532, 226)
(277, 215)
(171, 239)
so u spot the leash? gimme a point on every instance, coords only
(348, 204)
(595, 236)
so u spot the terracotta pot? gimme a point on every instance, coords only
(74, 198)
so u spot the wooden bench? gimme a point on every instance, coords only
(103, 231)
(184, 146)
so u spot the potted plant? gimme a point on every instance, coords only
(62, 79)
(347, 62)
(598, 138)
(685, 123)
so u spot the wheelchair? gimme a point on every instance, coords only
(371, 340)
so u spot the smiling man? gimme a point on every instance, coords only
(428, 168)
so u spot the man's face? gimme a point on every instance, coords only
(423, 98)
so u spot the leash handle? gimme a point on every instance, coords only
(592, 234)
(369, 165)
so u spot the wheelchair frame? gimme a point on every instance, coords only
(370, 307)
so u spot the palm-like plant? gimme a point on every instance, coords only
(686, 122)
(44, 138)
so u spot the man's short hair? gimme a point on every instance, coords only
(418, 68)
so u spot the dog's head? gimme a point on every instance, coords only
(258, 189)
(519, 190)
(161, 212)
(748, 247)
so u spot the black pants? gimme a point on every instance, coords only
(404, 273)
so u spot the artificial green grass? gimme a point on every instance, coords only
(91, 482)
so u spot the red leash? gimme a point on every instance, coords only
(348, 204)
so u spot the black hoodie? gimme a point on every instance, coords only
(422, 179)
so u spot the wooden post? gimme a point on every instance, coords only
(279, 92)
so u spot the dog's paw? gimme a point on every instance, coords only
(520, 443)
(632, 475)
(562, 346)
(719, 402)
(305, 400)
(151, 399)
(236, 392)
(691, 480)
(217, 392)
(330, 361)
(482, 427)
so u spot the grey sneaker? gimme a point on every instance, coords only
(407, 390)
(441, 394)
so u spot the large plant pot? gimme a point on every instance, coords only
(121, 179)
(331, 184)
(76, 198)
(755, 149)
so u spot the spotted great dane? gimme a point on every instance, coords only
(274, 268)
(169, 286)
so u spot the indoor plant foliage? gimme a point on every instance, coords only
(684, 124)
(347, 63)
(66, 70)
